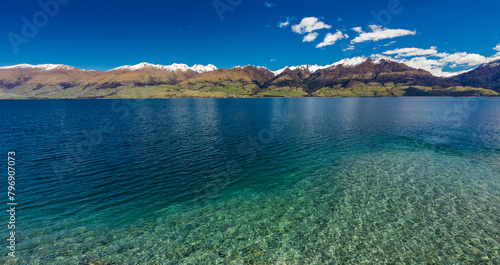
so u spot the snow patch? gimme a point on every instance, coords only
(173, 67)
(248, 65)
(310, 68)
(349, 62)
(203, 68)
(44, 67)
(492, 62)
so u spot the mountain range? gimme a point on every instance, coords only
(357, 76)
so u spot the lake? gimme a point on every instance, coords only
(254, 181)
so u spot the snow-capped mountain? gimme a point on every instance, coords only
(44, 67)
(198, 68)
(248, 65)
(486, 75)
(176, 79)
(348, 62)
(492, 62)
(42, 74)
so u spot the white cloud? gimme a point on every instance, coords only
(310, 37)
(358, 29)
(283, 24)
(433, 66)
(269, 5)
(470, 59)
(390, 43)
(379, 33)
(309, 24)
(497, 55)
(286, 23)
(348, 48)
(496, 48)
(382, 57)
(330, 39)
(410, 52)
(431, 60)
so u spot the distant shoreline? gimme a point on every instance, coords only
(269, 97)
(355, 77)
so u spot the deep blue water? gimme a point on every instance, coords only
(255, 181)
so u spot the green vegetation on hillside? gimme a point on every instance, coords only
(391, 90)
(235, 89)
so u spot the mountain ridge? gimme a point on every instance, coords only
(358, 76)
(486, 75)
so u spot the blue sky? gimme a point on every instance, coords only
(100, 35)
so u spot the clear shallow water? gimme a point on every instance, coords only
(256, 181)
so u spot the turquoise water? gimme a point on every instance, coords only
(256, 181)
